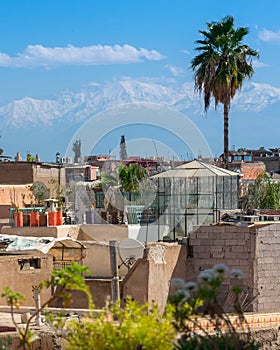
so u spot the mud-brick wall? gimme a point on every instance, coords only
(46, 174)
(20, 276)
(149, 279)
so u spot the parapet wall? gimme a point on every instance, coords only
(230, 245)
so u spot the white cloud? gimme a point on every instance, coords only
(40, 56)
(174, 70)
(270, 36)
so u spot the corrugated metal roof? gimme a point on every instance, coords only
(196, 168)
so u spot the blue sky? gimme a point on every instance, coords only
(50, 45)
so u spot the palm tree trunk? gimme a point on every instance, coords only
(226, 122)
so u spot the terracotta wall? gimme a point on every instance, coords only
(16, 173)
(15, 177)
(13, 193)
(251, 171)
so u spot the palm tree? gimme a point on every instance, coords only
(130, 176)
(222, 65)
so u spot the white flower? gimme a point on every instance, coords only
(236, 274)
(206, 276)
(190, 286)
(185, 293)
(177, 283)
(220, 269)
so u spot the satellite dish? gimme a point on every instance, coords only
(130, 250)
(40, 190)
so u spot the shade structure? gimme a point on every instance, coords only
(192, 194)
(63, 249)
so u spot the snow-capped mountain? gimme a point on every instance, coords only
(35, 123)
(77, 106)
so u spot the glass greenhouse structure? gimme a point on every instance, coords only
(192, 194)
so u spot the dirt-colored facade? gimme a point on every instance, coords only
(21, 272)
(16, 177)
(20, 173)
(253, 249)
(149, 279)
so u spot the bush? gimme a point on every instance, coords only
(192, 300)
(135, 327)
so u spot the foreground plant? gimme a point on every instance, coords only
(63, 281)
(199, 316)
(133, 327)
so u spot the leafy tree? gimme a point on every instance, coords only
(263, 194)
(108, 180)
(30, 158)
(130, 176)
(221, 66)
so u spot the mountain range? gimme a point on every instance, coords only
(43, 119)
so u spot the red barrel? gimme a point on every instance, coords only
(34, 218)
(18, 216)
(52, 218)
(59, 218)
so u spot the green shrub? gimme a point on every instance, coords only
(193, 301)
(134, 327)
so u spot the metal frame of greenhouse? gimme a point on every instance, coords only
(192, 195)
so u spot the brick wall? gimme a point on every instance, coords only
(230, 245)
(271, 163)
(267, 267)
(46, 173)
(255, 251)
(16, 173)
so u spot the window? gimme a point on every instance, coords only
(29, 264)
